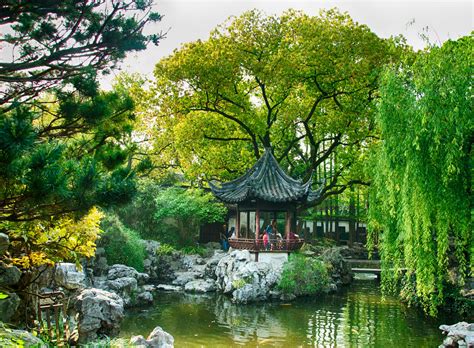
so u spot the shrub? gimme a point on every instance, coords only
(193, 250)
(165, 249)
(122, 245)
(187, 209)
(303, 276)
(170, 215)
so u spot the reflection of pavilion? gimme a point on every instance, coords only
(265, 193)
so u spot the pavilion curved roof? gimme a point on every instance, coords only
(266, 181)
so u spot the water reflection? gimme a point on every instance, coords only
(358, 317)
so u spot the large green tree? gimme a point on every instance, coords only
(302, 85)
(65, 146)
(51, 42)
(421, 203)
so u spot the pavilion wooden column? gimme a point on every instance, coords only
(288, 224)
(257, 224)
(237, 223)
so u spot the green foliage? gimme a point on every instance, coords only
(67, 42)
(187, 209)
(65, 147)
(421, 195)
(139, 214)
(122, 245)
(238, 283)
(303, 276)
(194, 250)
(165, 249)
(65, 158)
(302, 85)
(60, 239)
(170, 215)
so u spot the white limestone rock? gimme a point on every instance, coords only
(99, 311)
(167, 287)
(200, 286)
(69, 277)
(158, 338)
(182, 278)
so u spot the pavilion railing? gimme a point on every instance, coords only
(258, 245)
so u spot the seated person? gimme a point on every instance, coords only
(292, 235)
(231, 233)
(266, 241)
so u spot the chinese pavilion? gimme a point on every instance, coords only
(263, 194)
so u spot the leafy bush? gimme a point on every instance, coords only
(193, 250)
(139, 215)
(303, 276)
(187, 210)
(238, 283)
(122, 245)
(165, 249)
(170, 215)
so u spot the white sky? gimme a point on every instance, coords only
(189, 20)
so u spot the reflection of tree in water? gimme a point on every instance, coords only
(356, 317)
(254, 322)
(369, 321)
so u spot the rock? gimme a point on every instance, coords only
(138, 341)
(247, 280)
(121, 271)
(4, 243)
(287, 297)
(459, 335)
(151, 246)
(16, 336)
(340, 270)
(198, 270)
(9, 274)
(200, 286)
(190, 260)
(99, 312)
(144, 298)
(67, 276)
(148, 287)
(126, 288)
(100, 266)
(166, 287)
(182, 278)
(9, 306)
(211, 264)
(158, 338)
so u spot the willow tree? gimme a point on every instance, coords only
(422, 175)
(302, 85)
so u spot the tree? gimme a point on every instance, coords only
(65, 146)
(56, 42)
(188, 209)
(302, 85)
(421, 198)
(38, 244)
(65, 158)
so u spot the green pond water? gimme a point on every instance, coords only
(355, 317)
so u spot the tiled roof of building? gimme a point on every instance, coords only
(266, 181)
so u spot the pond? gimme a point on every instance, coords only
(355, 317)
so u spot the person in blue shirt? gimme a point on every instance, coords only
(271, 231)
